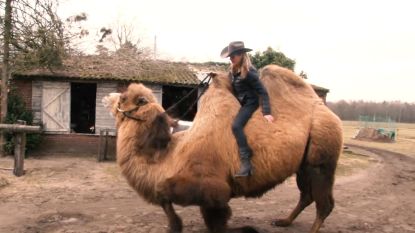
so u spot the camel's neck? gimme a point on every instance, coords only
(141, 169)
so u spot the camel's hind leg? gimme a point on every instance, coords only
(304, 185)
(315, 184)
(322, 192)
(175, 223)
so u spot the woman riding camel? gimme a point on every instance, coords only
(247, 89)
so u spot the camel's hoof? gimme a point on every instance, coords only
(173, 231)
(176, 229)
(246, 229)
(281, 222)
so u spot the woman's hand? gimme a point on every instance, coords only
(269, 118)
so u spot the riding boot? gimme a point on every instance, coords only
(246, 167)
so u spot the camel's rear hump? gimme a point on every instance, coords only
(326, 137)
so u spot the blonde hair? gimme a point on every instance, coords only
(243, 66)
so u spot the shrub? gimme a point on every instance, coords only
(16, 110)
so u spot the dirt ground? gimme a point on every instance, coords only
(74, 194)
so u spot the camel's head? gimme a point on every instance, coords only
(138, 106)
(135, 100)
(221, 80)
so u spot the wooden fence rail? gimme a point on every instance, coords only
(19, 136)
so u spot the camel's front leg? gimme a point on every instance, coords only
(175, 223)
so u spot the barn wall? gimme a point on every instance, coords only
(37, 101)
(86, 144)
(158, 92)
(103, 119)
(23, 88)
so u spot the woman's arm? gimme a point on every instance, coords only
(255, 83)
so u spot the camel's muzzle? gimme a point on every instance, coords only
(128, 113)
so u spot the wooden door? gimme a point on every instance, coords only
(56, 97)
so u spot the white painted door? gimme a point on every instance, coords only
(56, 102)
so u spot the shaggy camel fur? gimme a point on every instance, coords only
(196, 167)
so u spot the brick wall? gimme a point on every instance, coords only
(77, 144)
(24, 90)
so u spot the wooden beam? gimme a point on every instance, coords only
(20, 128)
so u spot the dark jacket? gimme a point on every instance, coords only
(248, 90)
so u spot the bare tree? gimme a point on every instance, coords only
(395, 110)
(5, 72)
(124, 40)
(32, 35)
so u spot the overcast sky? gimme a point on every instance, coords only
(358, 49)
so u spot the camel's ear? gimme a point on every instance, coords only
(158, 136)
(213, 74)
(111, 101)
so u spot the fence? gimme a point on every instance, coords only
(384, 125)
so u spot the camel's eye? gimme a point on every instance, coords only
(123, 98)
(141, 101)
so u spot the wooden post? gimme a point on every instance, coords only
(100, 157)
(106, 144)
(19, 151)
(103, 150)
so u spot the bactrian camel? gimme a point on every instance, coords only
(196, 166)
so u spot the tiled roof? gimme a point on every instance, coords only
(321, 89)
(117, 68)
(209, 67)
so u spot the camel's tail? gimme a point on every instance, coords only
(307, 148)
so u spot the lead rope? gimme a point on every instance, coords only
(197, 99)
(201, 84)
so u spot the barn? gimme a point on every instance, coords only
(67, 100)
(321, 92)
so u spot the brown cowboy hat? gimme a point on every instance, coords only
(234, 47)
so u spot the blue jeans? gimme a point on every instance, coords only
(245, 112)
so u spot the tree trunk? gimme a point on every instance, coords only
(6, 69)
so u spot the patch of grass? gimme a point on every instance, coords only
(113, 170)
(3, 182)
(351, 162)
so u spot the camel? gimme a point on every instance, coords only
(196, 166)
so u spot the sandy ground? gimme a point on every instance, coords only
(73, 194)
